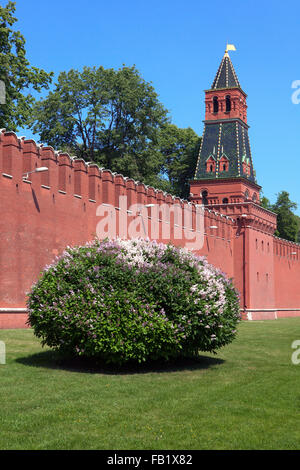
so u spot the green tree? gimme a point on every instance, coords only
(298, 230)
(16, 73)
(112, 117)
(287, 223)
(179, 148)
(265, 202)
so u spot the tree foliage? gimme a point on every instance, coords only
(179, 148)
(287, 223)
(114, 118)
(17, 73)
(265, 202)
(298, 230)
(108, 116)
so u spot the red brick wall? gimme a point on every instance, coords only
(54, 209)
(58, 208)
(287, 277)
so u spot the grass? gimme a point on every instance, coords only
(245, 397)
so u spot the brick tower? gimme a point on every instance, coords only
(224, 172)
(225, 182)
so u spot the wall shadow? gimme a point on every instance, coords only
(35, 200)
(53, 360)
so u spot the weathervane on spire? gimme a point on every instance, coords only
(230, 47)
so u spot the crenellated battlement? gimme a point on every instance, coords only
(85, 180)
(286, 249)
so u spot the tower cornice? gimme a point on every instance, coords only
(228, 181)
(215, 90)
(217, 121)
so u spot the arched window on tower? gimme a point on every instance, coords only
(204, 195)
(228, 103)
(215, 104)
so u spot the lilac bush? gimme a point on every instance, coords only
(133, 300)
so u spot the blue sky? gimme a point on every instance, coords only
(178, 45)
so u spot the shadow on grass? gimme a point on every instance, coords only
(53, 360)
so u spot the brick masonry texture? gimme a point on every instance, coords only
(42, 215)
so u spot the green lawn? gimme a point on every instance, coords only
(245, 397)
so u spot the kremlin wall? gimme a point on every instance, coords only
(44, 212)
